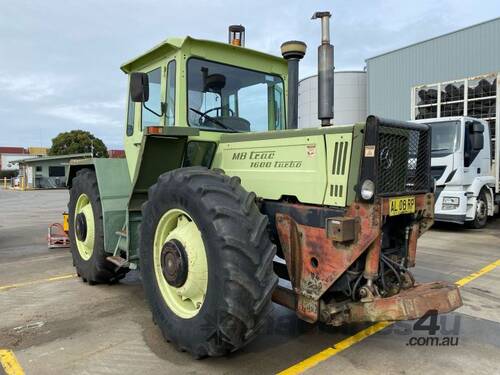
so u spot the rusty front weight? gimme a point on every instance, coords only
(315, 260)
(413, 303)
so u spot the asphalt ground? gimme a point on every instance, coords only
(52, 323)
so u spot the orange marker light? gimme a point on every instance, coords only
(154, 130)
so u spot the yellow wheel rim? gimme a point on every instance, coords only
(85, 247)
(186, 300)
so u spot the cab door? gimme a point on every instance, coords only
(476, 158)
(138, 117)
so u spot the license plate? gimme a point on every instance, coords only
(402, 205)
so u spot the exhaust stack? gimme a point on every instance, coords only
(325, 71)
(293, 51)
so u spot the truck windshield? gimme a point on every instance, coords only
(227, 98)
(445, 137)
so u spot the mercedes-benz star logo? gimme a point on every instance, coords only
(386, 158)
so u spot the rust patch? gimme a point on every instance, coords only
(412, 245)
(409, 304)
(315, 262)
(373, 258)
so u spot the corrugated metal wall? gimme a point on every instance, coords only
(468, 52)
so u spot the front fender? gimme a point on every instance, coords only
(114, 186)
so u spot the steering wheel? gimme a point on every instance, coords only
(205, 114)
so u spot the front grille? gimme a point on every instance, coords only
(340, 157)
(403, 160)
(400, 162)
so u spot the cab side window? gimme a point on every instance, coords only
(130, 116)
(170, 117)
(154, 102)
(470, 152)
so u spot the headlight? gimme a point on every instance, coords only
(450, 203)
(367, 189)
(451, 200)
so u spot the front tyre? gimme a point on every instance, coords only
(206, 261)
(86, 231)
(481, 217)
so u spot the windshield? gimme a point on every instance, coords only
(445, 137)
(228, 98)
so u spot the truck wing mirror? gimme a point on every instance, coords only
(477, 140)
(476, 127)
(139, 87)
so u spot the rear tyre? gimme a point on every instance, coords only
(206, 261)
(86, 231)
(481, 217)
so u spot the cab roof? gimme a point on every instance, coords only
(173, 44)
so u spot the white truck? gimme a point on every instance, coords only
(466, 176)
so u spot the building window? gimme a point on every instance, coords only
(38, 168)
(473, 97)
(57, 171)
(426, 102)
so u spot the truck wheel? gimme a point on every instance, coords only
(86, 231)
(206, 261)
(481, 212)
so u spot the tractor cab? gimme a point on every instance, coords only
(211, 87)
(207, 85)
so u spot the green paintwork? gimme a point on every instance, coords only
(338, 162)
(201, 48)
(186, 300)
(294, 166)
(355, 162)
(114, 189)
(85, 247)
(280, 134)
(287, 163)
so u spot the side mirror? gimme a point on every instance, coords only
(477, 141)
(139, 87)
(477, 127)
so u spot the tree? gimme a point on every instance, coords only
(76, 142)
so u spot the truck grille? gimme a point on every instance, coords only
(400, 163)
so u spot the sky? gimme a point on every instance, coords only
(59, 60)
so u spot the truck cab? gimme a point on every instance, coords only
(462, 167)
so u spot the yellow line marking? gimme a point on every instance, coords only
(337, 348)
(34, 282)
(9, 363)
(475, 275)
(315, 359)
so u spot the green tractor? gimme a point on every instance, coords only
(225, 206)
